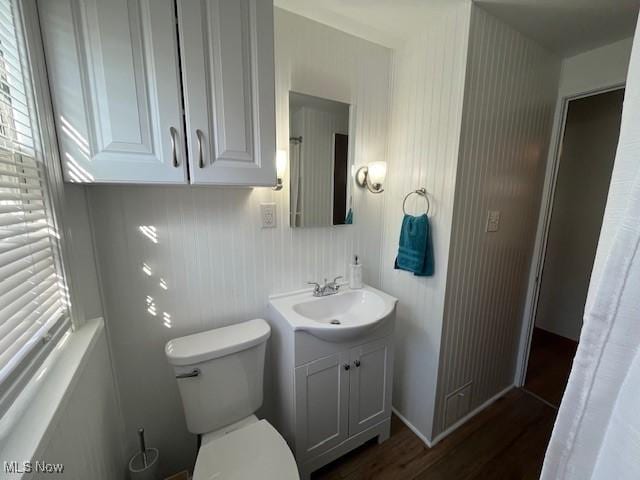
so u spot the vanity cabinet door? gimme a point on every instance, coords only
(229, 90)
(115, 85)
(370, 385)
(322, 402)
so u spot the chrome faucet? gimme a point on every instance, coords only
(329, 288)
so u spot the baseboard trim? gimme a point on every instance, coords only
(538, 397)
(455, 426)
(412, 427)
(471, 414)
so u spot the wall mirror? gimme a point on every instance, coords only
(320, 162)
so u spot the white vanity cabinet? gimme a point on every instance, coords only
(331, 390)
(341, 396)
(114, 78)
(228, 76)
(145, 91)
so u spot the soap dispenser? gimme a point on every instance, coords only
(355, 274)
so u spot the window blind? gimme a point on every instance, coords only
(32, 290)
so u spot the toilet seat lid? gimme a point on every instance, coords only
(254, 451)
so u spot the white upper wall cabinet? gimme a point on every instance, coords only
(115, 82)
(115, 73)
(228, 79)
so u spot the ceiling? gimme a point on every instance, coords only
(563, 26)
(568, 27)
(386, 22)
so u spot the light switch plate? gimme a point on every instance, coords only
(493, 221)
(268, 215)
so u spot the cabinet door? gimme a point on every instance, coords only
(114, 77)
(370, 385)
(228, 76)
(322, 402)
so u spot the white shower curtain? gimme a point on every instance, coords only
(597, 432)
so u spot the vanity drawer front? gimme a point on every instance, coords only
(322, 405)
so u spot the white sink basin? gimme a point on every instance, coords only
(340, 317)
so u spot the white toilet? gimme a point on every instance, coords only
(220, 376)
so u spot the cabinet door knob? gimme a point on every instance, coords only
(357, 363)
(200, 153)
(346, 366)
(174, 147)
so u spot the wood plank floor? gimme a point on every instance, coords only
(549, 366)
(505, 441)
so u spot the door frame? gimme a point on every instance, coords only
(544, 223)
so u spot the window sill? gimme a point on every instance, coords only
(27, 424)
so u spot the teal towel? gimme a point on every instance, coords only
(415, 249)
(349, 219)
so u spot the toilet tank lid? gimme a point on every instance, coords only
(216, 343)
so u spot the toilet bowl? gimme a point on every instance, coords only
(220, 375)
(254, 451)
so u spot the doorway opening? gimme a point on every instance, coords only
(585, 159)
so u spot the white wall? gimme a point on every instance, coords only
(426, 108)
(87, 437)
(218, 264)
(595, 69)
(68, 413)
(83, 277)
(601, 68)
(588, 152)
(510, 94)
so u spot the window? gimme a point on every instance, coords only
(33, 300)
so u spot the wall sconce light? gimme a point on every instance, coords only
(281, 168)
(372, 176)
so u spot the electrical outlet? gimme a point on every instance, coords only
(268, 215)
(493, 221)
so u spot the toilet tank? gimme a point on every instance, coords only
(219, 373)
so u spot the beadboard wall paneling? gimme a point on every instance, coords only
(87, 435)
(510, 94)
(427, 95)
(83, 276)
(213, 264)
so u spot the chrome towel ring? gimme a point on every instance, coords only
(423, 193)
